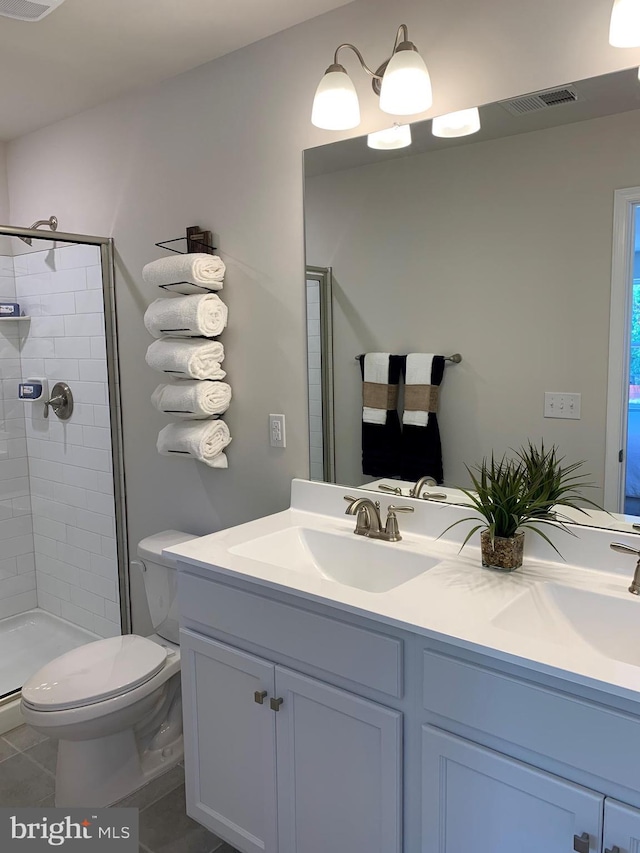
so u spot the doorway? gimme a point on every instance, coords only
(622, 466)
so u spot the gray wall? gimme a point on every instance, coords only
(500, 250)
(221, 146)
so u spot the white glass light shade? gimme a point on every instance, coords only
(624, 30)
(398, 136)
(461, 123)
(406, 85)
(335, 106)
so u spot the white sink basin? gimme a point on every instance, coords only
(347, 559)
(553, 612)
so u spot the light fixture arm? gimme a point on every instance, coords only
(401, 42)
(403, 31)
(364, 65)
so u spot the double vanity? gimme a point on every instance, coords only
(350, 694)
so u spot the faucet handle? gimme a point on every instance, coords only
(395, 490)
(350, 498)
(624, 549)
(391, 529)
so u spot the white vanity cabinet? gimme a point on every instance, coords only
(283, 763)
(621, 828)
(310, 729)
(477, 799)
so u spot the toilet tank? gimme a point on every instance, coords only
(160, 577)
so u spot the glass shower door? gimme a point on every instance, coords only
(60, 549)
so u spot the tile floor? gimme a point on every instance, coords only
(27, 771)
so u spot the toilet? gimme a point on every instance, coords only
(115, 705)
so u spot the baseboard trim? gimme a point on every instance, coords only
(10, 716)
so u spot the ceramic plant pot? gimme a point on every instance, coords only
(504, 554)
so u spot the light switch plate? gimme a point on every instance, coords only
(559, 404)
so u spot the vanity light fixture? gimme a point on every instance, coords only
(402, 82)
(460, 123)
(398, 136)
(624, 30)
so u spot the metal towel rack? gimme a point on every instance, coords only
(456, 358)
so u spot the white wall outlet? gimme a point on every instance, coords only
(558, 404)
(277, 435)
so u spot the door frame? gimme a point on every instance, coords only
(324, 277)
(619, 347)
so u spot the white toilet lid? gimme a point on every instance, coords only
(94, 672)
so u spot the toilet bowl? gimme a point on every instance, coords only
(115, 705)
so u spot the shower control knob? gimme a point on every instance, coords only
(61, 401)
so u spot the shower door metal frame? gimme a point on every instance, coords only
(107, 262)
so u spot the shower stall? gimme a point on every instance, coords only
(63, 553)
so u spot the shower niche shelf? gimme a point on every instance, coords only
(14, 319)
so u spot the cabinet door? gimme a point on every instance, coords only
(475, 799)
(339, 783)
(621, 828)
(229, 743)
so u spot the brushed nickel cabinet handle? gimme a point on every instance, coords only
(259, 696)
(582, 843)
(275, 704)
(614, 849)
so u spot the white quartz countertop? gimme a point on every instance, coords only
(457, 601)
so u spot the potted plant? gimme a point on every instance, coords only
(552, 481)
(513, 495)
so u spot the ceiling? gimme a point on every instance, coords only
(88, 51)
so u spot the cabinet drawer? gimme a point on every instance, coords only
(357, 654)
(582, 734)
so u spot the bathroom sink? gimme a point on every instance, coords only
(604, 624)
(347, 559)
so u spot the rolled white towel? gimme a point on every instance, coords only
(187, 359)
(192, 399)
(186, 316)
(204, 441)
(201, 271)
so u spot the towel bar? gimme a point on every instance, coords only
(456, 358)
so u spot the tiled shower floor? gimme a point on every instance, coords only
(27, 768)
(32, 639)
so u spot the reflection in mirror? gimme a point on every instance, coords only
(499, 246)
(320, 374)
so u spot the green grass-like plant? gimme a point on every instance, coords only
(522, 493)
(552, 481)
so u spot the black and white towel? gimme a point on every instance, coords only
(421, 449)
(380, 421)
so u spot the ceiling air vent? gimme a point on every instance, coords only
(27, 10)
(540, 100)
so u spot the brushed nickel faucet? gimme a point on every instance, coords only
(419, 486)
(368, 521)
(634, 589)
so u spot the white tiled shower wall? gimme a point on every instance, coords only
(17, 566)
(70, 462)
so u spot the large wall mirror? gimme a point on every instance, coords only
(498, 246)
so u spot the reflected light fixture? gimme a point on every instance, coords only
(398, 136)
(624, 30)
(461, 123)
(402, 82)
